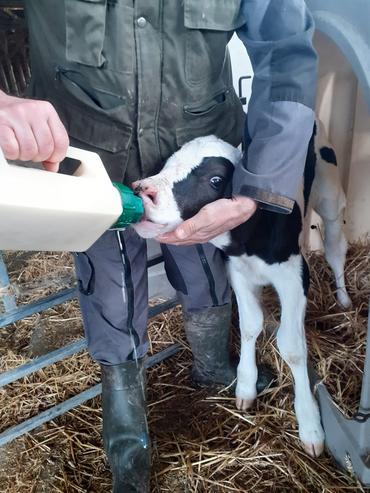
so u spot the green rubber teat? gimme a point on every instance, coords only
(132, 207)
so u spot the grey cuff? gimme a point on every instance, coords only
(268, 200)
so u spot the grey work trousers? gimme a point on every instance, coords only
(113, 285)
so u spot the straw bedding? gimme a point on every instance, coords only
(200, 442)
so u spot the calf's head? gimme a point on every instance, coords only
(197, 174)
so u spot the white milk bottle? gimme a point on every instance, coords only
(41, 210)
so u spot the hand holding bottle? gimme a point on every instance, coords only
(31, 130)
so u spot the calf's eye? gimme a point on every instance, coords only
(216, 182)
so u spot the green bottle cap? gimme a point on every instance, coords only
(132, 207)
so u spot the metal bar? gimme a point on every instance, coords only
(13, 314)
(162, 355)
(162, 307)
(25, 311)
(243, 100)
(38, 363)
(32, 423)
(64, 352)
(365, 386)
(12, 4)
(6, 297)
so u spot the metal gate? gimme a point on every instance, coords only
(14, 75)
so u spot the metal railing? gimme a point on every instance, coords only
(13, 313)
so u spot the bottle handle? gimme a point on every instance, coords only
(91, 164)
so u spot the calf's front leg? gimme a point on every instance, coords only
(251, 324)
(291, 342)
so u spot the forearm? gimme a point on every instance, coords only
(273, 165)
(278, 36)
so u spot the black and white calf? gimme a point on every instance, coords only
(267, 249)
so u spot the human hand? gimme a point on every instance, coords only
(32, 131)
(212, 220)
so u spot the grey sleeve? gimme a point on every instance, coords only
(278, 37)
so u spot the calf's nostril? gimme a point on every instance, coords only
(151, 196)
(149, 192)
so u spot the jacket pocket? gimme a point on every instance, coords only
(89, 114)
(209, 27)
(85, 31)
(85, 273)
(98, 133)
(219, 15)
(91, 132)
(78, 86)
(220, 115)
(207, 106)
(120, 42)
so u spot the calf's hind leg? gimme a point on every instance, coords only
(291, 342)
(335, 245)
(329, 201)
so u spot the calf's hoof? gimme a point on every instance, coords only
(244, 404)
(245, 395)
(343, 300)
(314, 449)
(313, 439)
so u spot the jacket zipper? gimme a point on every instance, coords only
(130, 294)
(208, 273)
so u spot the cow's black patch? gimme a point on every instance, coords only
(309, 170)
(305, 276)
(270, 236)
(201, 187)
(328, 155)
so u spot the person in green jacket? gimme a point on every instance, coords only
(133, 81)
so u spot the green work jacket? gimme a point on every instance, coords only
(154, 74)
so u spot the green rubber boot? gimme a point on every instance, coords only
(125, 429)
(208, 333)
